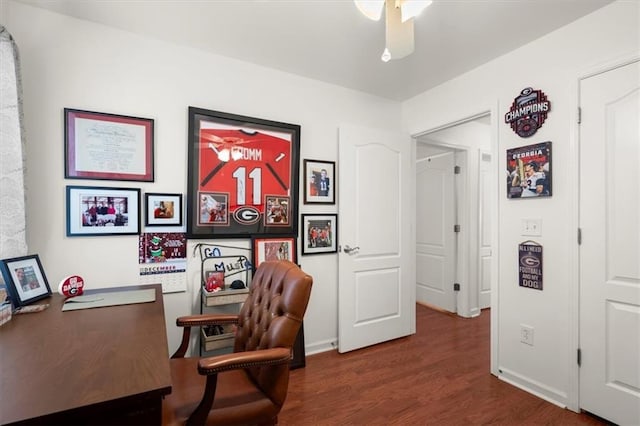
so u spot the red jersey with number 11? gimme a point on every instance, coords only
(258, 165)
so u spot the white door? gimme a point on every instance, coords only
(376, 286)
(610, 249)
(484, 237)
(435, 236)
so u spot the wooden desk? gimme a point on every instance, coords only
(93, 366)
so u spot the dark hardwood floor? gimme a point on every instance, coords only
(439, 376)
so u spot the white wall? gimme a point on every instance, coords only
(78, 64)
(552, 64)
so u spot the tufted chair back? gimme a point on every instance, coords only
(271, 317)
(248, 386)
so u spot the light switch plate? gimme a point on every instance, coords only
(532, 227)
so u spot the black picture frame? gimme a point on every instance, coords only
(25, 279)
(319, 181)
(84, 218)
(95, 142)
(255, 163)
(163, 209)
(319, 233)
(530, 171)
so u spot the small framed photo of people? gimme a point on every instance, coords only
(319, 182)
(25, 280)
(278, 248)
(529, 171)
(163, 209)
(93, 211)
(319, 234)
(277, 211)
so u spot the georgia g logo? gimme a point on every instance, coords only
(247, 215)
(530, 261)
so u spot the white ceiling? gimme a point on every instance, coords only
(329, 40)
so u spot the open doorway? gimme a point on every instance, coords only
(454, 252)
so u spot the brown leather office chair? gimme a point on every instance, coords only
(248, 386)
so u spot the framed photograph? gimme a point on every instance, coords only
(319, 234)
(214, 280)
(95, 210)
(319, 182)
(273, 249)
(163, 209)
(529, 171)
(25, 279)
(105, 146)
(243, 176)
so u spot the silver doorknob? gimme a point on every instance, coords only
(350, 250)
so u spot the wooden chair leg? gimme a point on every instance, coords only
(199, 415)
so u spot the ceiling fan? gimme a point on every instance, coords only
(399, 16)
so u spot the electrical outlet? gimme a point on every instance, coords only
(526, 334)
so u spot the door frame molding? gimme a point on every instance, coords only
(493, 111)
(573, 397)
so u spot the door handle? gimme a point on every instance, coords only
(350, 250)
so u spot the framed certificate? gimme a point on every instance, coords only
(107, 146)
(243, 176)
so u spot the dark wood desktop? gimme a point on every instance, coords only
(93, 366)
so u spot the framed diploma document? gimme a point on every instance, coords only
(242, 177)
(107, 146)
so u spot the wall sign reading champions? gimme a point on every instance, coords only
(528, 112)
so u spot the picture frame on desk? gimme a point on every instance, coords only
(93, 211)
(25, 279)
(108, 146)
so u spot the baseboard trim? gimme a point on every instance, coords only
(540, 390)
(323, 346)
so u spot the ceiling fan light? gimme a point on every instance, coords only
(386, 55)
(398, 36)
(372, 9)
(412, 8)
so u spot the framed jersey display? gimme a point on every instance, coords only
(529, 171)
(243, 176)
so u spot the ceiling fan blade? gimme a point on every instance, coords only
(372, 9)
(399, 35)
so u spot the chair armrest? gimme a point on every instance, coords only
(206, 319)
(239, 360)
(189, 321)
(214, 365)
